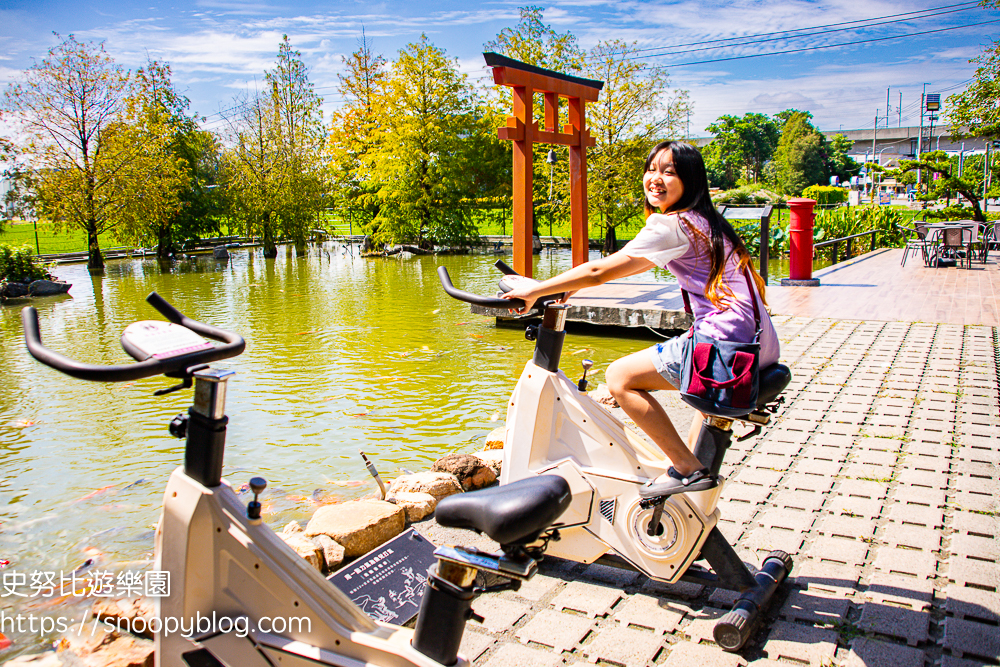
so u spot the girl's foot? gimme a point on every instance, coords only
(673, 482)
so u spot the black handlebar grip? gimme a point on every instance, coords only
(468, 297)
(234, 345)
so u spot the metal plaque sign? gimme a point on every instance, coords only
(388, 581)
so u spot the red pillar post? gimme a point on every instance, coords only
(800, 232)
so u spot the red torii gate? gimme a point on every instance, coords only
(522, 129)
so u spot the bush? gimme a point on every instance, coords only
(847, 221)
(746, 196)
(950, 213)
(18, 265)
(826, 195)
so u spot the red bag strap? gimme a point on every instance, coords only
(753, 298)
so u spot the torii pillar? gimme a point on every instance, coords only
(522, 129)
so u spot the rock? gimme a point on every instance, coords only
(359, 526)
(493, 458)
(438, 484)
(48, 287)
(418, 506)
(14, 290)
(470, 470)
(110, 650)
(292, 528)
(603, 396)
(367, 245)
(127, 614)
(333, 553)
(496, 437)
(536, 245)
(220, 252)
(46, 659)
(304, 547)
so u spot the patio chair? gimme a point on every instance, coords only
(956, 241)
(917, 243)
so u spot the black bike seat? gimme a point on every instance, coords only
(773, 381)
(512, 514)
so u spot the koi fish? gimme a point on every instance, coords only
(458, 324)
(475, 335)
(4, 563)
(495, 416)
(301, 499)
(351, 483)
(135, 483)
(436, 311)
(305, 333)
(4, 642)
(92, 494)
(24, 423)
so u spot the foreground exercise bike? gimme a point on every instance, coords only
(554, 427)
(231, 570)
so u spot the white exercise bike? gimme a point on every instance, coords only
(227, 567)
(554, 428)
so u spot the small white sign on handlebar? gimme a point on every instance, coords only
(161, 340)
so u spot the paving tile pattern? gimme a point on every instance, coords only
(879, 473)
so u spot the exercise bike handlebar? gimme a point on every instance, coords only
(469, 297)
(233, 346)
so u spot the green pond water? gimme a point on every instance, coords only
(343, 354)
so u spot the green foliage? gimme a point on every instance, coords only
(742, 146)
(849, 220)
(800, 156)
(948, 179)
(825, 195)
(535, 43)
(18, 265)
(978, 106)
(746, 196)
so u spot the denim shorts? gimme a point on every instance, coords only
(666, 358)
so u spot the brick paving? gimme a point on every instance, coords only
(879, 474)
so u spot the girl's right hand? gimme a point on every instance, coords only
(523, 289)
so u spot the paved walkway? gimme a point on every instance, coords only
(879, 476)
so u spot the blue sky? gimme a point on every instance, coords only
(219, 47)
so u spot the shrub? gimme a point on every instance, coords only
(18, 265)
(746, 196)
(846, 221)
(826, 195)
(950, 213)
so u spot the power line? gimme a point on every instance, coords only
(827, 46)
(752, 39)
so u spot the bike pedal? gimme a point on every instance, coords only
(650, 503)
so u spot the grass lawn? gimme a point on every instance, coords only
(49, 243)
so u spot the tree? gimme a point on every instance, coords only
(420, 160)
(353, 134)
(948, 179)
(65, 107)
(535, 43)
(977, 108)
(274, 170)
(634, 111)
(153, 117)
(839, 163)
(800, 157)
(743, 145)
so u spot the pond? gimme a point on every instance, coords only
(343, 354)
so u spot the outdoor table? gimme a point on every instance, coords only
(934, 232)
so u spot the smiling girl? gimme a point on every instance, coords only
(687, 236)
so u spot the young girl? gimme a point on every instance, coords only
(686, 235)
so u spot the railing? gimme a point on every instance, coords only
(848, 239)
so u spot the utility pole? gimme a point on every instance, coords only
(900, 110)
(986, 178)
(874, 154)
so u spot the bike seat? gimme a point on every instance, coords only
(513, 514)
(773, 381)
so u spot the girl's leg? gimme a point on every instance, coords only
(630, 379)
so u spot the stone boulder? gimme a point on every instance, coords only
(127, 614)
(603, 396)
(108, 650)
(292, 527)
(333, 553)
(495, 439)
(438, 484)
(45, 659)
(359, 526)
(304, 547)
(48, 287)
(220, 252)
(14, 290)
(493, 458)
(470, 470)
(418, 506)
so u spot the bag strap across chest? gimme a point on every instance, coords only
(753, 299)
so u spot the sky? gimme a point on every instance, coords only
(218, 48)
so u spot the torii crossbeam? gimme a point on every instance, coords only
(523, 130)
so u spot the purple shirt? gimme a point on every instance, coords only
(666, 242)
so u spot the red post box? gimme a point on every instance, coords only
(800, 233)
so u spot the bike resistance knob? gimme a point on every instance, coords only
(257, 485)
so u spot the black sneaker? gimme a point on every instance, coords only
(700, 480)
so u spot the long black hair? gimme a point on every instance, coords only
(690, 169)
